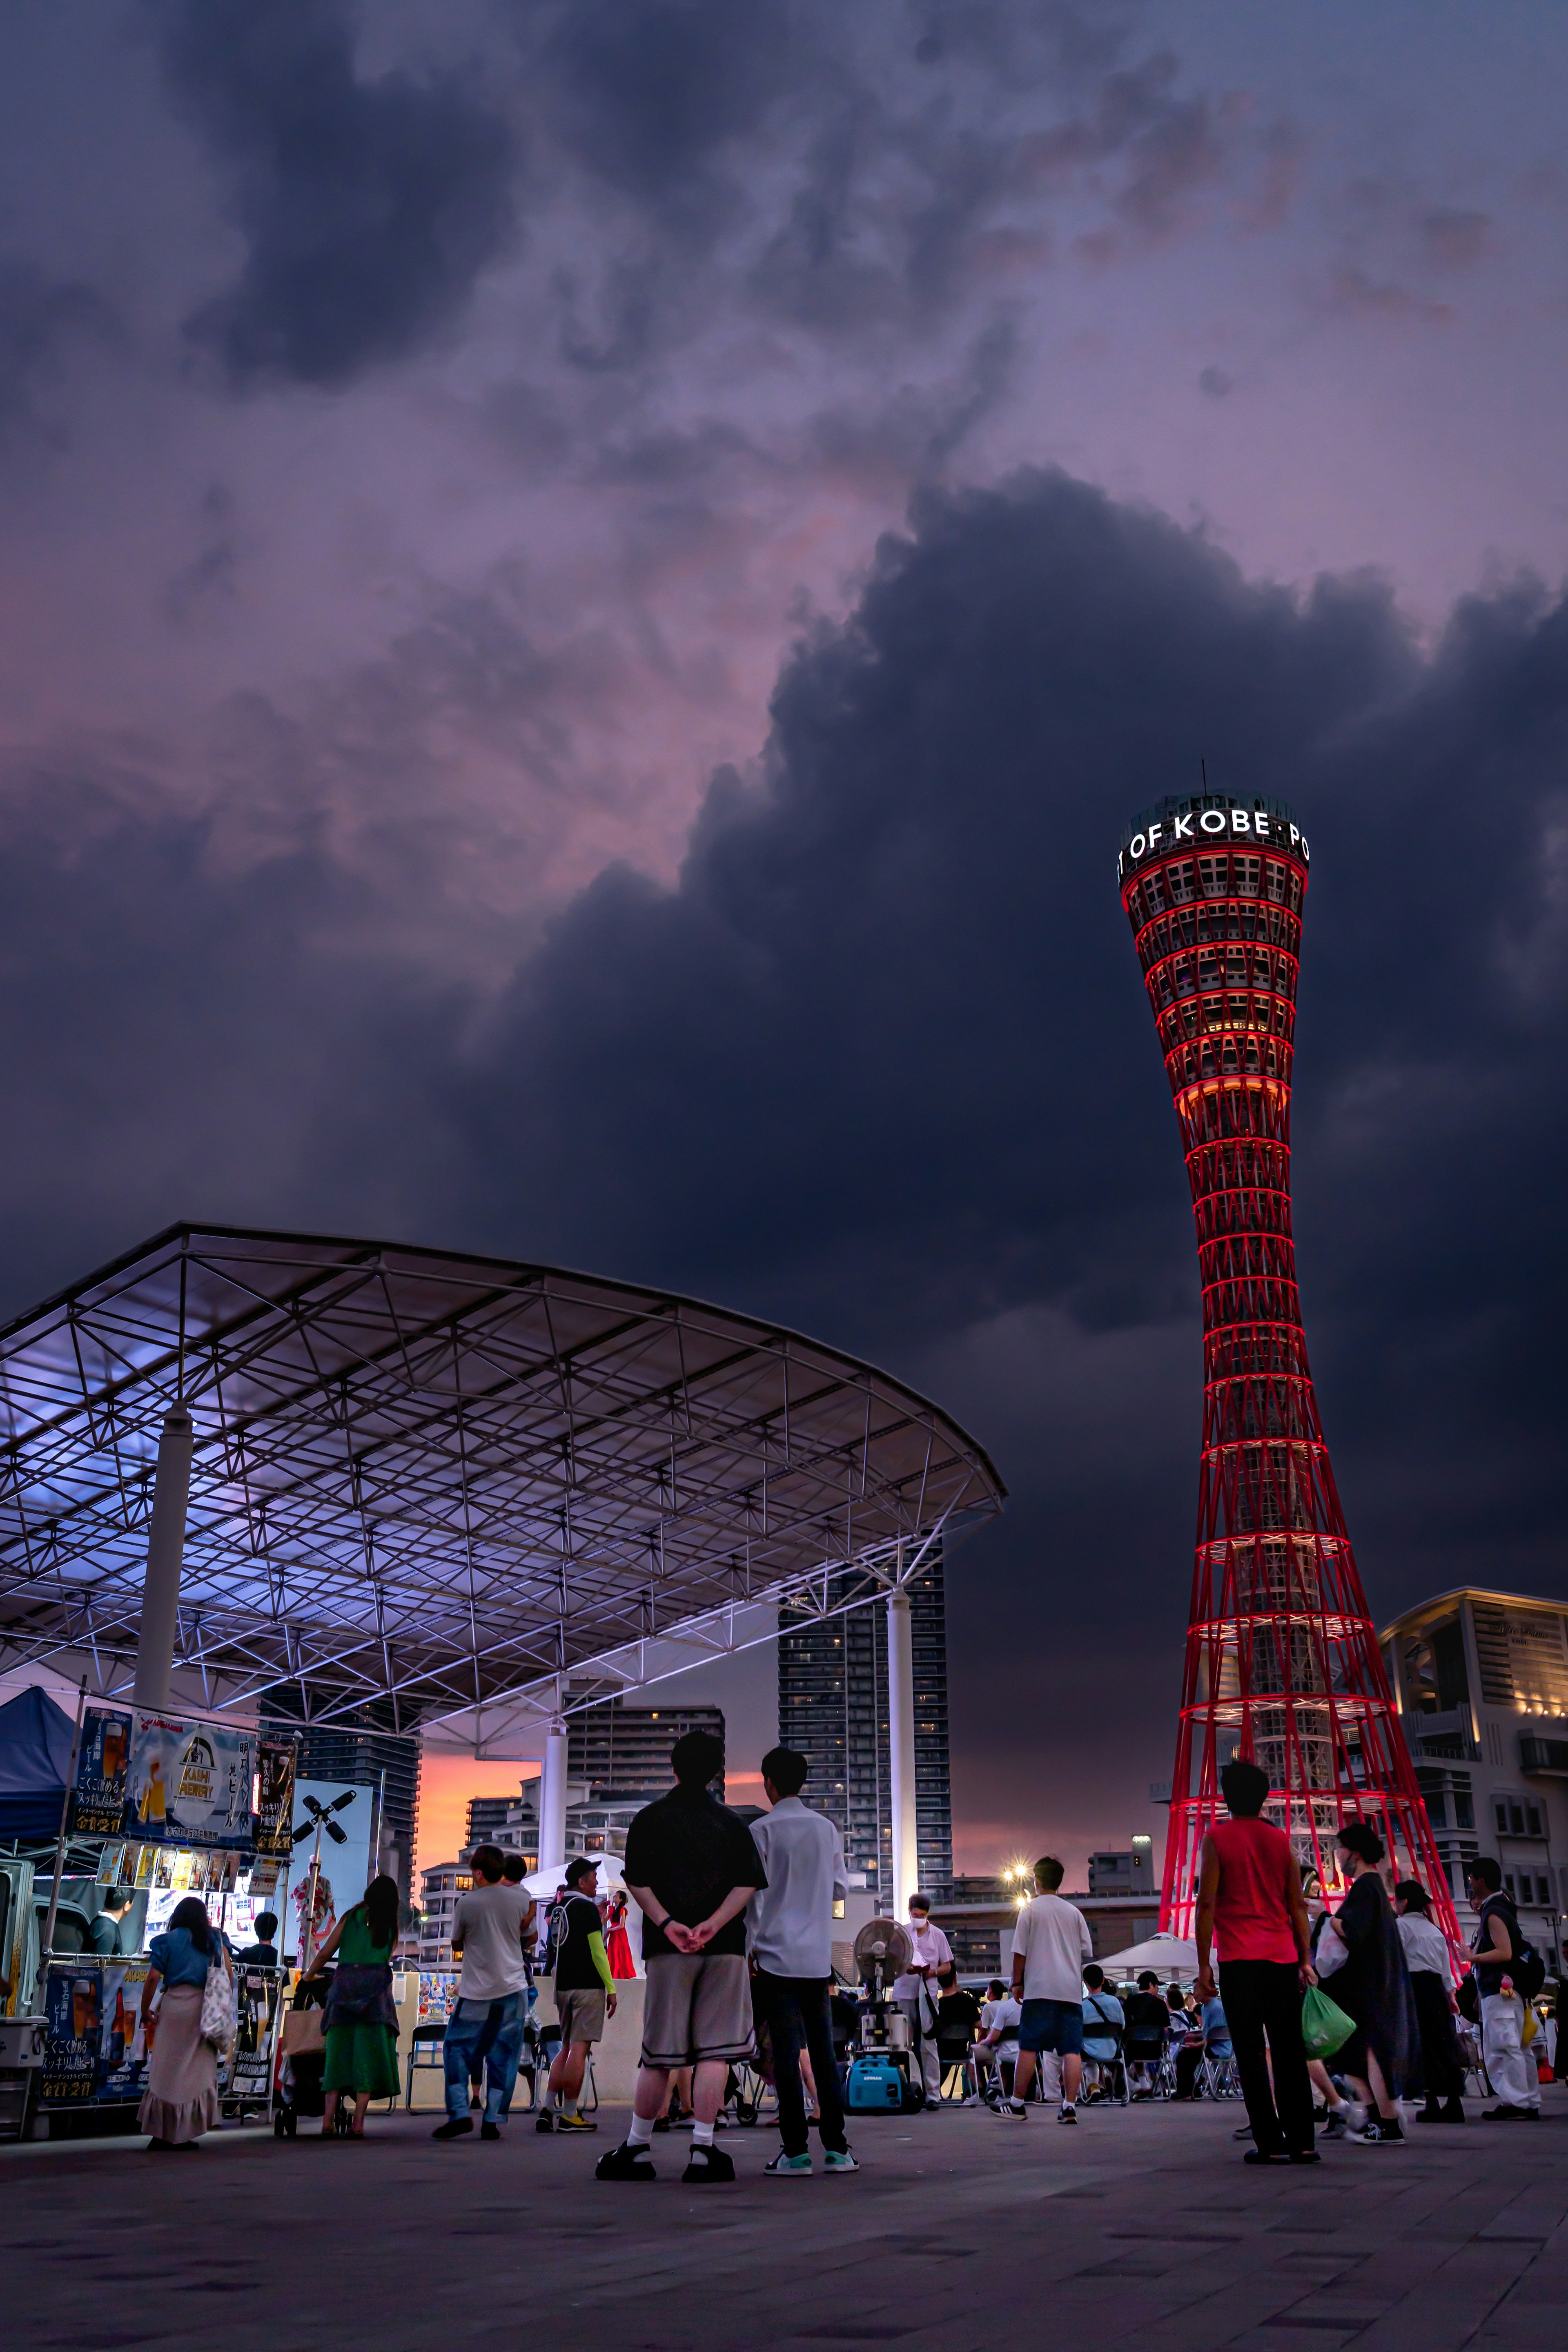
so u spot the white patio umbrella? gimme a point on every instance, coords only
(1169, 1956)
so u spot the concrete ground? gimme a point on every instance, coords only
(962, 2233)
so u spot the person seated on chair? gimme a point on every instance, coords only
(994, 2059)
(1103, 2020)
(957, 2023)
(1143, 2039)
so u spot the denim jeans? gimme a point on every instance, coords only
(491, 2031)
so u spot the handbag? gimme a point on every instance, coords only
(303, 2033)
(361, 1994)
(218, 2005)
(1325, 2028)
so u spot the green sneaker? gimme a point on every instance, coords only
(838, 2159)
(795, 2166)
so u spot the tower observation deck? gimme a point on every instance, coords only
(1282, 1662)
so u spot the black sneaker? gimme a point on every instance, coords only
(1069, 2114)
(625, 2163)
(1504, 2114)
(544, 2121)
(488, 2130)
(708, 2165)
(454, 2128)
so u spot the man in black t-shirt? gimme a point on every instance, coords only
(585, 1995)
(692, 1869)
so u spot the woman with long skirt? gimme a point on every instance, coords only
(361, 2021)
(180, 2102)
(1432, 1983)
(1383, 2057)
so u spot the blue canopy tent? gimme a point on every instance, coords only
(35, 1757)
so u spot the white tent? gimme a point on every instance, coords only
(1168, 1956)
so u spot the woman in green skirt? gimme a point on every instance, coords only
(361, 2019)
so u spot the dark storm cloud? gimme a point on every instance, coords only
(881, 1065)
(41, 318)
(368, 207)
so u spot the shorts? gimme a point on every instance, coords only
(1052, 2025)
(582, 2015)
(696, 2005)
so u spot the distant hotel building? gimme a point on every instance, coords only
(832, 1709)
(363, 1749)
(1481, 1683)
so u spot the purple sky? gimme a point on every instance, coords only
(434, 440)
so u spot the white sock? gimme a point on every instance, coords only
(1068, 2107)
(641, 2132)
(702, 2134)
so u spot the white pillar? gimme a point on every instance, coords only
(902, 1750)
(166, 1557)
(553, 1798)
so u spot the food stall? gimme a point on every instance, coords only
(154, 1806)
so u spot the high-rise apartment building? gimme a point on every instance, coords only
(362, 1747)
(833, 1708)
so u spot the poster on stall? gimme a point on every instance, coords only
(190, 1782)
(95, 2048)
(256, 2006)
(275, 1796)
(71, 2018)
(103, 1766)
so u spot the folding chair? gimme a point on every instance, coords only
(425, 2051)
(1220, 2077)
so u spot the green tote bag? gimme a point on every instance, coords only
(1325, 2028)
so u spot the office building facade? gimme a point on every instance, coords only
(1481, 1681)
(833, 1708)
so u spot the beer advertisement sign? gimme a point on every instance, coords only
(190, 1782)
(275, 1797)
(102, 1773)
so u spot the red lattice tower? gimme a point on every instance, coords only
(1282, 1662)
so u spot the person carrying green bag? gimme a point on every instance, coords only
(1250, 1896)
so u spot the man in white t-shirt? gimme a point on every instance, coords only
(492, 1929)
(1050, 1944)
(915, 1992)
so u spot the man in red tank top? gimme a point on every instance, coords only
(1250, 1901)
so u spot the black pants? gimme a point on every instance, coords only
(1441, 2062)
(1264, 1997)
(795, 2011)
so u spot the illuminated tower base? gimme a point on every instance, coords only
(1282, 1662)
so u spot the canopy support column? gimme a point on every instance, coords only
(902, 1750)
(553, 1798)
(165, 1558)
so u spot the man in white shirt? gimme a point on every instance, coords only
(492, 1929)
(789, 1934)
(1050, 1944)
(915, 1992)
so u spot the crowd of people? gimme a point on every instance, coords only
(737, 1931)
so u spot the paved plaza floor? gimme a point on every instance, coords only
(962, 2233)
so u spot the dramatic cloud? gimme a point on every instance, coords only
(368, 207)
(879, 1061)
(40, 318)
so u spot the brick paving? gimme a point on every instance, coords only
(960, 2233)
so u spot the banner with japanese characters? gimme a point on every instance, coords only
(102, 1773)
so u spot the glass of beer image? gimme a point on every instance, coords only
(84, 2010)
(154, 1809)
(113, 1749)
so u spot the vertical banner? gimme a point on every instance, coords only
(275, 1797)
(95, 2050)
(257, 1990)
(190, 1782)
(102, 1771)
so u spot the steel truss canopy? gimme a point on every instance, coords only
(474, 1491)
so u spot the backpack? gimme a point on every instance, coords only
(1527, 1968)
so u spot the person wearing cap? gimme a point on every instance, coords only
(585, 1997)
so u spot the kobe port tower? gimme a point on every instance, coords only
(1282, 1664)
